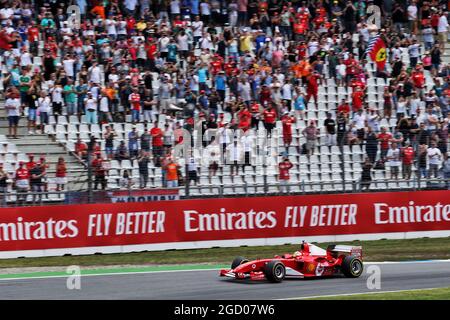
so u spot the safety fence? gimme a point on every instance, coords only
(19, 199)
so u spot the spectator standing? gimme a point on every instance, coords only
(12, 106)
(91, 106)
(157, 143)
(99, 172)
(171, 169)
(61, 174)
(393, 157)
(192, 170)
(287, 121)
(133, 146)
(22, 182)
(384, 137)
(283, 174)
(443, 29)
(422, 161)
(366, 174)
(109, 136)
(311, 133)
(407, 156)
(36, 175)
(143, 161)
(330, 130)
(434, 157)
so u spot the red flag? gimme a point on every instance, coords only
(378, 54)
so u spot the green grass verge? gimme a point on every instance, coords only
(378, 250)
(428, 294)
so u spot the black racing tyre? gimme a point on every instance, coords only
(352, 267)
(275, 271)
(238, 261)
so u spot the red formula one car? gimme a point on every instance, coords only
(310, 261)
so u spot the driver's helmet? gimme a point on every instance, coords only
(297, 254)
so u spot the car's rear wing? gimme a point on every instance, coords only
(339, 249)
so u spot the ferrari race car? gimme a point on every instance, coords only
(310, 261)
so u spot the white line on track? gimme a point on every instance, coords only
(356, 293)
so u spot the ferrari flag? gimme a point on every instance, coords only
(377, 51)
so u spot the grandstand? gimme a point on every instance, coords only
(330, 168)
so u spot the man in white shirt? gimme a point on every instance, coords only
(197, 29)
(434, 157)
(26, 58)
(442, 30)
(94, 73)
(91, 108)
(412, 16)
(12, 106)
(234, 156)
(393, 157)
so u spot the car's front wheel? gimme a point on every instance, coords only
(238, 261)
(352, 267)
(275, 271)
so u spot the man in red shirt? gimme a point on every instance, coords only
(216, 64)
(418, 79)
(33, 38)
(357, 99)
(344, 107)
(287, 121)
(255, 108)
(99, 172)
(22, 181)
(270, 117)
(408, 155)
(135, 103)
(31, 163)
(244, 118)
(157, 143)
(312, 87)
(81, 149)
(151, 48)
(384, 137)
(283, 175)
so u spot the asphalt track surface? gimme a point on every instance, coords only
(205, 284)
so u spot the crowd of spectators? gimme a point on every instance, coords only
(258, 61)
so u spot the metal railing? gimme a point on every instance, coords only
(17, 199)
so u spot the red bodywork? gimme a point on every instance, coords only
(306, 263)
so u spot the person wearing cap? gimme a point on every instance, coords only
(22, 182)
(287, 121)
(283, 174)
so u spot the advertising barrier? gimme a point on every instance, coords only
(159, 225)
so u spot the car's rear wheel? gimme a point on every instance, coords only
(352, 267)
(238, 261)
(275, 271)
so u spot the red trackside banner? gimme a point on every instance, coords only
(119, 224)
